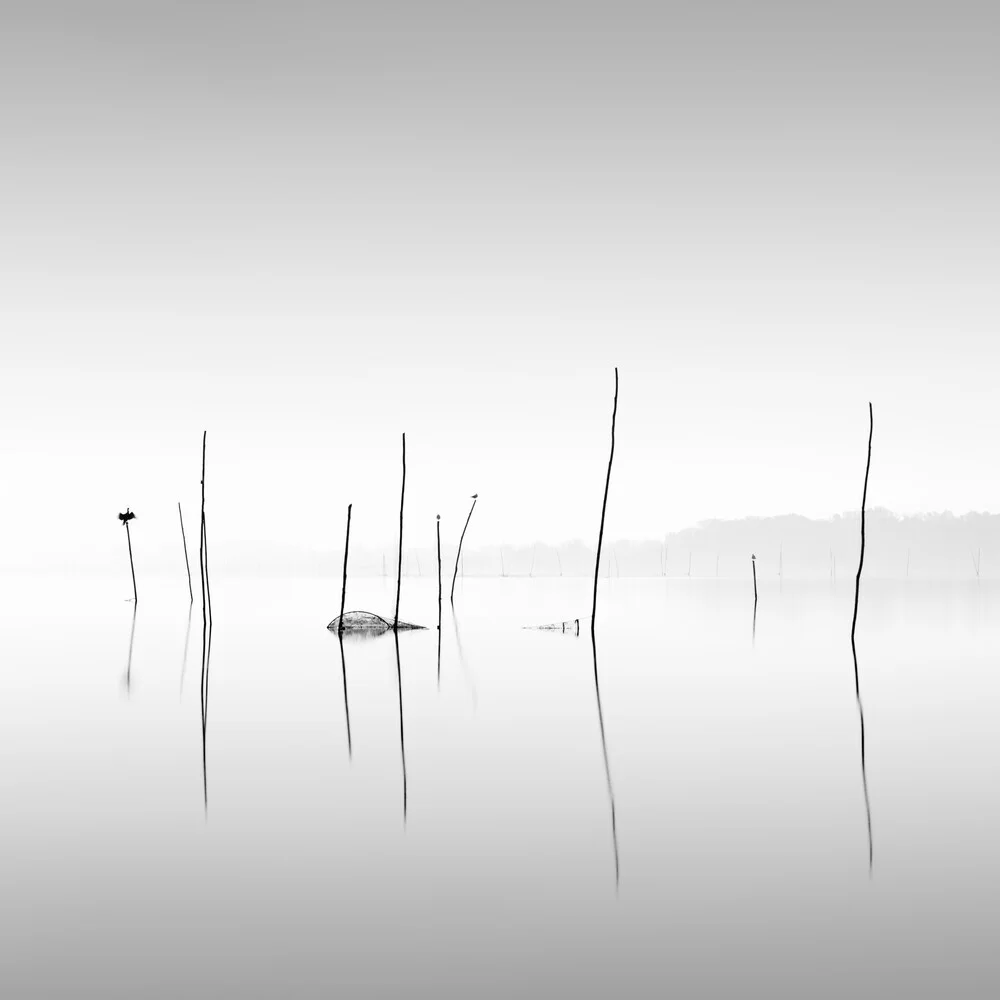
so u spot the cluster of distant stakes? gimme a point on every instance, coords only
(363, 622)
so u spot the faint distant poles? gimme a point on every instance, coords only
(503, 571)
(458, 554)
(907, 563)
(187, 563)
(689, 563)
(614, 552)
(716, 565)
(531, 570)
(781, 563)
(125, 518)
(559, 561)
(976, 561)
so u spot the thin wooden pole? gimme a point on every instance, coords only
(440, 592)
(458, 555)
(753, 564)
(399, 566)
(343, 589)
(854, 623)
(187, 563)
(861, 556)
(604, 507)
(593, 636)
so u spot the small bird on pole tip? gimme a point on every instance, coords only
(475, 496)
(127, 516)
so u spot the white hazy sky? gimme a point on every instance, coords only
(311, 226)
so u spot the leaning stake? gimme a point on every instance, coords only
(343, 589)
(458, 555)
(125, 518)
(439, 596)
(604, 505)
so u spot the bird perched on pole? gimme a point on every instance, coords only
(127, 516)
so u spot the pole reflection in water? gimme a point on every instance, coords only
(402, 738)
(187, 640)
(131, 643)
(462, 663)
(607, 765)
(347, 708)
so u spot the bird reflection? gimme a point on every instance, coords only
(604, 749)
(131, 643)
(347, 708)
(402, 738)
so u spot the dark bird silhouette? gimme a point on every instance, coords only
(475, 496)
(127, 516)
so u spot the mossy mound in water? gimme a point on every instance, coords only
(366, 623)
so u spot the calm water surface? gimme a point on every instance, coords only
(742, 842)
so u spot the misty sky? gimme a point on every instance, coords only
(311, 226)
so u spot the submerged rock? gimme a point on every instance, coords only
(366, 623)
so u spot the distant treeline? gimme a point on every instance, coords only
(935, 546)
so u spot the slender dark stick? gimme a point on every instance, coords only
(203, 568)
(439, 597)
(604, 506)
(402, 738)
(399, 567)
(135, 592)
(187, 563)
(593, 634)
(343, 589)
(753, 564)
(854, 623)
(458, 555)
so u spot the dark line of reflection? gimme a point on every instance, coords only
(187, 640)
(402, 738)
(131, 643)
(607, 765)
(753, 638)
(439, 646)
(864, 770)
(347, 707)
(461, 660)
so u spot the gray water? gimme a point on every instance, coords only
(734, 759)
